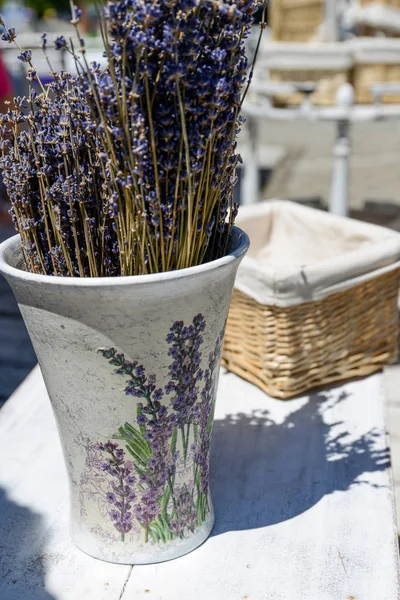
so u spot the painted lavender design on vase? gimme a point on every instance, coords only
(156, 469)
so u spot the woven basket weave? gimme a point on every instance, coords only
(393, 3)
(366, 75)
(328, 83)
(287, 350)
(326, 64)
(295, 20)
(376, 60)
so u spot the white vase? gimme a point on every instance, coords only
(131, 366)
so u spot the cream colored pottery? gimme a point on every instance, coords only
(131, 366)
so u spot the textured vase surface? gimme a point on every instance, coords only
(131, 366)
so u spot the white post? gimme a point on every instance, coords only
(250, 185)
(331, 22)
(339, 200)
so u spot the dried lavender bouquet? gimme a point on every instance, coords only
(129, 169)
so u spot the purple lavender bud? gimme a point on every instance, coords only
(25, 56)
(9, 35)
(60, 42)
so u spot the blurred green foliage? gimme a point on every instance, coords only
(40, 6)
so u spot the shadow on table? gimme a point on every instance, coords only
(17, 357)
(22, 565)
(265, 473)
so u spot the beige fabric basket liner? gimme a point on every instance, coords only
(299, 254)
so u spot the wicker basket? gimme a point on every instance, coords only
(286, 345)
(295, 20)
(328, 83)
(327, 64)
(376, 60)
(366, 75)
(392, 3)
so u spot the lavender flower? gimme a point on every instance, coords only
(9, 35)
(204, 418)
(185, 518)
(164, 509)
(157, 464)
(149, 508)
(60, 42)
(138, 383)
(25, 56)
(185, 371)
(76, 15)
(130, 169)
(122, 494)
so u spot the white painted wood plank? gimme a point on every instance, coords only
(302, 491)
(37, 559)
(304, 503)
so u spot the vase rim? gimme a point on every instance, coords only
(239, 239)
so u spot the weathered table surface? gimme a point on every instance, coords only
(302, 491)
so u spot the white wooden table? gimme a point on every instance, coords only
(302, 491)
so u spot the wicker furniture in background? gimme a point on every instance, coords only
(392, 3)
(376, 60)
(365, 75)
(328, 83)
(295, 20)
(329, 65)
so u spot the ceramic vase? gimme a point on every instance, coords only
(131, 367)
